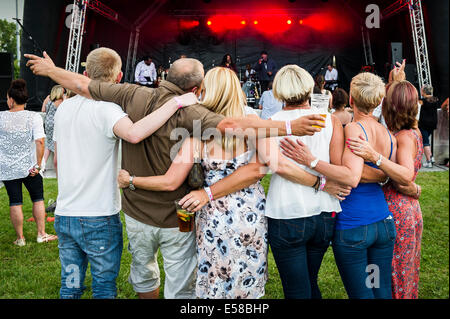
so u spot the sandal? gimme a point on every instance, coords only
(46, 238)
(19, 242)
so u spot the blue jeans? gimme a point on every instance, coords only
(364, 257)
(97, 240)
(298, 246)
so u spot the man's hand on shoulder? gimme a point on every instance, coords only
(40, 66)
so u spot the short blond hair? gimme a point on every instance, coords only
(223, 95)
(103, 64)
(293, 85)
(367, 90)
(57, 93)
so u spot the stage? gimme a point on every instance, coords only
(308, 33)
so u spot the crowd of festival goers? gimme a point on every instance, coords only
(341, 176)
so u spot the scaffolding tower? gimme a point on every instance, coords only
(76, 35)
(420, 42)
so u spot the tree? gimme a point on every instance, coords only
(8, 42)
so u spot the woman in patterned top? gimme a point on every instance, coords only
(21, 148)
(231, 228)
(51, 103)
(400, 111)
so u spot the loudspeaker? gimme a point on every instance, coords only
(411, 73)
(6, 76)
(396, 53)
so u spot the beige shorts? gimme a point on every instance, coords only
(179, 256)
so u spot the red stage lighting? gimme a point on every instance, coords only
(243, 22)
(289, 21)
(255, 22)
(301, 22)
(209, 22)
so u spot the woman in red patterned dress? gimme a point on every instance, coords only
(400, 108)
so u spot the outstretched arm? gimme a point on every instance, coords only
(403, 172)
(253, 126)
(135, 133)
(71, 81)
(174, 177)
(241, 178)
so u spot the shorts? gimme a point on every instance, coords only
(179, 255)
(33, 184)
(426, 136)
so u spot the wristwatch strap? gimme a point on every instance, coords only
(132, 187)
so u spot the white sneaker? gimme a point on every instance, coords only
(427, 165)
(20, 242)
(432, 160)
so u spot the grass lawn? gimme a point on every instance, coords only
(33, 271)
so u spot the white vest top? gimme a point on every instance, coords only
(288, 200)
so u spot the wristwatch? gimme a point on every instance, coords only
(131, 187)
(378, 163)
(314, 163)
(37, 167)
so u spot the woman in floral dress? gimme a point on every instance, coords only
(399, 111)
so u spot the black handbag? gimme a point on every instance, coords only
(196, 176)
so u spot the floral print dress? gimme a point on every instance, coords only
(409, 225)
(49, 123)
(231, 237)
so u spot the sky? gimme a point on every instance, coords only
(8, 9)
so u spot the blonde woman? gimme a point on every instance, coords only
(231, 229)
(50, 105)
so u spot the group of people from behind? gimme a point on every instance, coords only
(352, 186)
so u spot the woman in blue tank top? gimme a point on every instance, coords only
(365, 231)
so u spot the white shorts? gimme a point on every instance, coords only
(179, 256)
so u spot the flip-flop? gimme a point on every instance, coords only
(46, 238)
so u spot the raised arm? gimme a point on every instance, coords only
(174, 177)
(135, 133)
(44, 104)
(71, 81)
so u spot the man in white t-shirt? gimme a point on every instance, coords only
(87, 135)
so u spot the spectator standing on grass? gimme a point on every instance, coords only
(400, 111)
(86, 136)
(151, 216)
(21, 150)
(428, 121)
(49, 107)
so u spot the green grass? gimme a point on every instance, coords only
(33, 271)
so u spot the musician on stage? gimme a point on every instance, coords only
(227, 62)
(331, 77)
(265, 69)
(145, 73)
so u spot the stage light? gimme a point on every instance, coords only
(209, 22)
(301, 22)
(255, 22)
(243, 22)
(289, 21)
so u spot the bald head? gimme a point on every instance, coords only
(186, 73)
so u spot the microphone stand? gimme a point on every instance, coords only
(37, 50)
